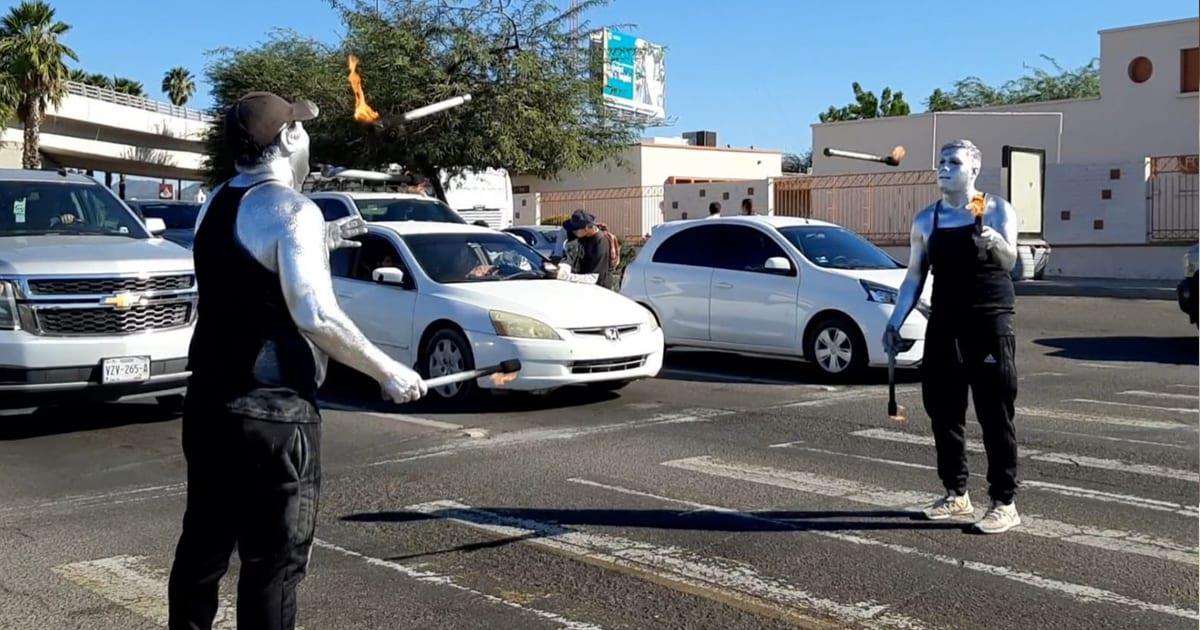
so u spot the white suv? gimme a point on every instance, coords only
(93, 306)
(384, 206)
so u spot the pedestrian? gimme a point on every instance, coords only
(589, 259)
(968, 241)
(714, 210)
(268, 319)
(747, 207)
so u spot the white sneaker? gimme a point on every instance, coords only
(998, 519)
(949, 506)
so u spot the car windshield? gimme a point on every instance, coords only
(177, 216)
(471, 257)
(47, 207)
(838, 248)
(407, 210)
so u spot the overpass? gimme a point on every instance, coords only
(103, 130)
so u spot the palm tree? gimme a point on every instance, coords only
(100, 80)
(35, 57)
(128, 86)
(179, 85)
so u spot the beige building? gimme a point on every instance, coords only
(1118, 199)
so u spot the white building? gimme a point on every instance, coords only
(1110, 209)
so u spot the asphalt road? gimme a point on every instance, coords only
(728, 493)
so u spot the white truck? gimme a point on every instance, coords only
(94, 307)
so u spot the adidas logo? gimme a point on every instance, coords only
(990, 359)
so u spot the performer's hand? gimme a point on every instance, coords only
(564, 271)
(891, 339)
(989, 238)
(403, 385)
(340, 231)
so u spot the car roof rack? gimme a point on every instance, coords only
(337, 179)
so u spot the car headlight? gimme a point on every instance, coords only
(8, 307)
(879, 293)
(521, 327)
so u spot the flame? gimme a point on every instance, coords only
(899, 152)
(362, 111)
(977, 205)
(500, 380)
(901, 416)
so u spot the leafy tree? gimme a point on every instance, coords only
(1037, 85)
(34, 58)
(179, 85)
(536, 103)
(867, 105)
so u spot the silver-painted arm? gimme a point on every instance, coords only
(1000, 234)
(914, 281)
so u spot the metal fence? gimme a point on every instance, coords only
(878, 206)
(140, 102)
(628, 212)
(1171, 204)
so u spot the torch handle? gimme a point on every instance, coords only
(459, 377)
(983, 254)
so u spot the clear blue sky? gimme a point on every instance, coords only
(757, 73)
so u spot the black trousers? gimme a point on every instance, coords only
(984, 362)
(254, 484)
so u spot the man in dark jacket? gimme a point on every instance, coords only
(589, 259)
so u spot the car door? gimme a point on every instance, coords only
(752, 307)
(383, 312)
(678, 281)
(333, 208)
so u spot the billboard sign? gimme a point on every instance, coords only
(634, 74)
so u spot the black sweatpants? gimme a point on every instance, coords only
(254, 484)
(986, 363)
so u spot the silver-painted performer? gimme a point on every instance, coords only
(968, 241)
(268, 319)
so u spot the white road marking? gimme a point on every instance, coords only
(1190, 511)
(532, 436)
(1039, 374)
(1143, 393)
(1093, 436)
(1184, 386)
(1092, 401)
(417, 420)
(104, 498)
(1106, 366)
(1054, 414)
(851, 396)
(1077, 592)
(1108, 539)
(430, 577)
(726, 580)
(131, 583)
(1044, 456)
(786, 444)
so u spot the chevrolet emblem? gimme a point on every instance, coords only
(123, 301)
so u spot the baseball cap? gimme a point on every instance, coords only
(579, 220)
(259, 116)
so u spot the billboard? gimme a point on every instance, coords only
(634, 74)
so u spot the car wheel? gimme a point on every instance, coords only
(447, 352)
(835, 345)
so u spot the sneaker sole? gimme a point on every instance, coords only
(980, 530)
(943, 517)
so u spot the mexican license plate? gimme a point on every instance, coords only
(125, 370)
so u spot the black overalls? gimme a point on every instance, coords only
(252, 447)
(970, 343)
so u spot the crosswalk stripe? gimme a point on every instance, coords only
(1191, 511)
(1055, 414)
(1077, 592)
(1146, 394)
(1108, 539)
(1093, 436)
(1092, 401)
(725, 580)
(1044, 456)
(131, 583)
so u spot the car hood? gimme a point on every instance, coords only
(555, 302)
(892, 278)
(65, 255)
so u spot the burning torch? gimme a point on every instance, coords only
(391, 130)
(977, 206)
(891, 159)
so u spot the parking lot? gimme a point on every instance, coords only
(727, 493)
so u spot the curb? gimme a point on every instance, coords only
(1118, 291)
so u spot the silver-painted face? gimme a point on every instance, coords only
(298, 155)
(957, 171)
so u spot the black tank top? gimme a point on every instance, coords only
(246, 355)
(968, 293)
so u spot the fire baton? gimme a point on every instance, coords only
(500, 370)
(892, 159)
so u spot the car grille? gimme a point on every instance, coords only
(99, 286)
(108, 321)
(604, 366)
(602, 331)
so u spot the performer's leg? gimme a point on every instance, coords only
(278, 517)
(209, 532)
(993, 372)
(944, 393)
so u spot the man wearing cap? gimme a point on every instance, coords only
(588, 261)
(267, 321)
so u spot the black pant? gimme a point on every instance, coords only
(252, 483)
(986, 363)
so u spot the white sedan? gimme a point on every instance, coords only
(776, 286)
(448, 297)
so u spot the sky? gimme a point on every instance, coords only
(757, 71)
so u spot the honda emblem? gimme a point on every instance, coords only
(612, 334)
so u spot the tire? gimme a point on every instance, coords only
(446, 352)
(835, 345)
(171, 404)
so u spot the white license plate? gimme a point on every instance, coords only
(125, 370)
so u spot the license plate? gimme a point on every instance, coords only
(125, 370)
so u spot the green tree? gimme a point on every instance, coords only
(1037, 85)
(867, 105)
(34, 57)
(179, 85)
(797, 162)
(536, 103)
(128, 86)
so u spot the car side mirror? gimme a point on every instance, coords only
(388, 275)
(778, 264)
(156, 225)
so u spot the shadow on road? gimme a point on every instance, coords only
(719, 367)
(1168, 350)
(77, 419)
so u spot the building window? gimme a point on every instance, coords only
(1189, 70)
(1140, 69)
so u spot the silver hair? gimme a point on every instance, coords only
(249, 160)
(966, 145)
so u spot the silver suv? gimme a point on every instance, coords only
(93, 305)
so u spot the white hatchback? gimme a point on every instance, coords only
(775, 286)
(447, 297)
